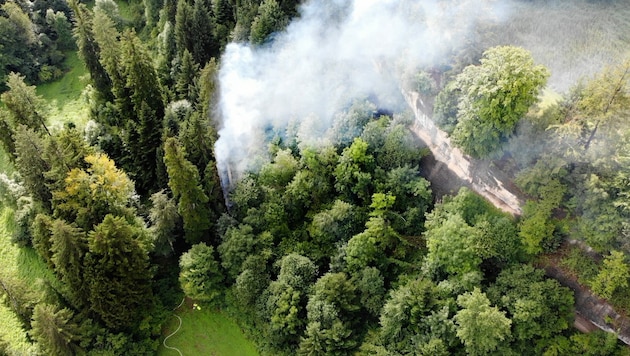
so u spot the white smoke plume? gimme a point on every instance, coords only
(334, 52)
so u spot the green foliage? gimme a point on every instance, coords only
(580, 264)
(270, 19)
(53, 330)
(451, 246)
(145, 131)
(24, 105)
(445, 107)
(537, 227)
(42, 235)
(33, 38)
(90, 194)
(89, 50)
(350, 124)
(237, 244)
(539, 308)
(29, 146)
(598, 343)
(165, 221)
(185, 184)
(613, 275)
(480, 326)
(200, 276)
(408, 313)
(370, 286)
(120, 294)
(367, 249)
(281, 171)
(353, 178)
(330, 309)
(68, 246)
(494, 96)
(600, 103)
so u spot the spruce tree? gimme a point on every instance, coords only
(53, 330)
(117, 273)
(185, 184)
(68, 246)
(24, 105)
(148, 106)
(29, 146)
(89, 50)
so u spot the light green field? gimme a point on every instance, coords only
(206, 332)
(21, 269)
(66, 102)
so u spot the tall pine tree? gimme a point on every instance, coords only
(185, 184)
(146, 97)
(117, 273)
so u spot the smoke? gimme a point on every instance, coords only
(336, 51)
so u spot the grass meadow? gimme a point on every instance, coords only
(64, 96)
(205, 331)
(22, 272)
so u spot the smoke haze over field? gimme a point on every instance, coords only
(329, 56)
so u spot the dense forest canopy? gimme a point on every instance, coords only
(255, 156)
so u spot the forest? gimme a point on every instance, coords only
(254, 158)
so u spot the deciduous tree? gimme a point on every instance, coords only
(480, 326)
(495, 95)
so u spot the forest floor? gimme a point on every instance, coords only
(205, 331)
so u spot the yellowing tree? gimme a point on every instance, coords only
(90, 194)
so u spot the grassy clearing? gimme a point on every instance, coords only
(15, 266)
(206, 332)
(66, 104)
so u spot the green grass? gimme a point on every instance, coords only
(206, 332)
(66, 103)
(23, 267)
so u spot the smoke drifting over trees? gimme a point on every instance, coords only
(334, 52)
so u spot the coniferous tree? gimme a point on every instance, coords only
(200, 276)
(110, 56)
(53, 330)
(42, 237)
(29, 146)
(24, 105)
(68, 247)
(7, 134)
(270, 19)
(145, 132)
(165, 222)
(66, 150)
(188, 72)
(205, 46)
(183, 26)
(117, 273)
(185, 184)
(89, 50)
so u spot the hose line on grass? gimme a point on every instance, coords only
(175, 332)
